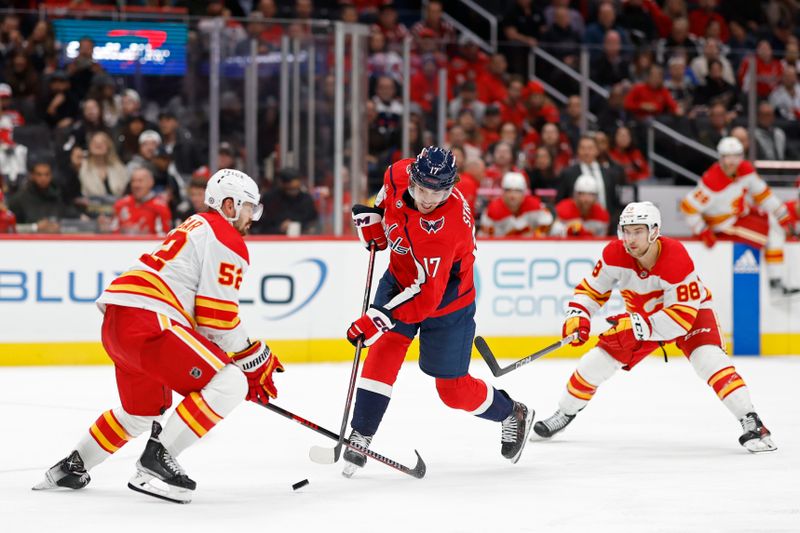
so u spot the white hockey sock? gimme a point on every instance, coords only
(200, 411)
(110, 432)
(716, 368)
(595, 367)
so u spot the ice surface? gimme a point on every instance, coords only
(654, 451)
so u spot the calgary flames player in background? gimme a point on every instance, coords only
(666, 302)
(428, 288)
(168, 323)
(733, 202)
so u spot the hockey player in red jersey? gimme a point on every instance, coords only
(516, 213)
(428, 288)
(733, 202)
(169, 323)
(793, 209)
(582, 215)
(665, 302)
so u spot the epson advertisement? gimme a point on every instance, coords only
(127, 47)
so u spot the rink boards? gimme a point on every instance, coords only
(301, 295)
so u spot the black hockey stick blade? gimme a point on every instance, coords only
(491, 361)
(418, 471)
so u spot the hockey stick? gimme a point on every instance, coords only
(418, 471)
(488, 356)
(321, 454)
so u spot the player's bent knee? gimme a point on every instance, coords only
(229, 383)
(708, 359)
(465, 392)
(134, 425)
(597, 365)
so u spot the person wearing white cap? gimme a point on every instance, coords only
(5, 101)
(582, 215)
(516, 212)
(149, 142)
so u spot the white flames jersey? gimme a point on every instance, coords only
(193, 278)
(719, 200)
(669, 295)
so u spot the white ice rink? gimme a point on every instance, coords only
(654, 451)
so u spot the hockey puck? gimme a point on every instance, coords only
(300, 484)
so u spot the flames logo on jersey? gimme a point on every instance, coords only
(431, 226)
(396, 244)
(646, 304)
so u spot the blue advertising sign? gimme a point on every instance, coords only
(151, 48)
(746, 320)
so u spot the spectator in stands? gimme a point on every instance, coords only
(10, 33)
(8, 108)
(490, 127)
(128, 137)
(196, 192)
(467, 63)
(41, 46)
(432, 21)
(742, 136)
(39, 201)
(541, 171)
(613, 114)
(142, 212)
(768, 70)
(83, 68)
(716, 89)
(503, 162)
(168, 181)
(382, 60)
(636, 18)
(91, 121)
(131, 105)
(513, 109)
(57, 105)
(381, 144)
(467, 183)
(596, 32)
(540, 109)
(770, 139)
(227, 156)
(8, 221)
(609, 67)
(387, 106)
(573, 16)
(711, 52)
(492, 82)
(700, 18)
(254, 28)
(457, 138)
(679, 83)
(651, 99)
(178, 142)
(792, 54)
(149, 142)
(516, 213)
(521, 25)
(388, 25)
(13, 158)
(231, 107)
(581, 215)
(785, 98)
(625, 154)
(718, 126)
(608, 179)
(557, 144)
(425, 84)
(22, 76)
(673, 10)
(287, 205)
(467, 99)
(104, 91)
(746, 13)
(571, 120)
(643, 59)
(101, 173)
(740, 44)
(561, 38)
(679, 39)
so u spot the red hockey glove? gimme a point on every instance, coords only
(708, 237)
(258, 363)
(620, 337)
(372, 324)
(577, 321)
(369, 225)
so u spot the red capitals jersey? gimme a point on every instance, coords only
(574, 223)
(431, 255)
(532, 218)
(149, 217)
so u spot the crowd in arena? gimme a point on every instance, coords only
(83, 150)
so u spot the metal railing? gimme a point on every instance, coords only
(489, 46)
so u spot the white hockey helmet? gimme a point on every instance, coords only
(641, 213)
(730, 146)
(514, 181)
(232, 183)
(585, 184)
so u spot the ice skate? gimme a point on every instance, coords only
(555, 423)
(159, 474)
(68, 473)
(354, 460)
(756, 438)
(515, 429)
(777, 290)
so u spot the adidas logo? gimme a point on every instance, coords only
(746, 264)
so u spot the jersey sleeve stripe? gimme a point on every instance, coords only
(217, 323)
(586, 289)
(763, 195)
(688, 208)
(214, 303)
(150, 285)
(214, 313)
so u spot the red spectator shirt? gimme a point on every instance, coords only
(699, 19)
(425, 91)
(634, 163)
(8, 221)
(461, 69)
(642, 93)
(149, 217)
(768, 75)
(538, 116)
(468, 186)
(576, 225)
(491, 88)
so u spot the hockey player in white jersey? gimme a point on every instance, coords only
(171, 323)
(732, 202)
(665, 302)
